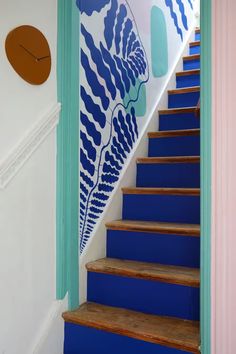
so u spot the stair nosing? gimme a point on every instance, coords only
(169, 159)
(173, 133)
(169, 274)
(182, 110)
(145, 334)
(184, 90)
(195, 43)
(192, 57)
(188, 72)
(161, 191)
(187, 230)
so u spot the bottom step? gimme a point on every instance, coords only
(98, 329)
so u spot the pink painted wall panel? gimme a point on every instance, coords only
(224, 178)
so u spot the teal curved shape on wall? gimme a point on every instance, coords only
(140, 104)
(159, 43)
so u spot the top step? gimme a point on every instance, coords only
(170, 332)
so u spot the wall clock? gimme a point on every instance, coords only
(28, 52)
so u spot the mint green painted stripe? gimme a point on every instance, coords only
(206, 160)
(140, 104)
(68, 152)
(159, 43)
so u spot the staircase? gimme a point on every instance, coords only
(144, 297)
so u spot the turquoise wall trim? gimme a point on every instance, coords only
(68, 152)
(206, 160)
(159, 43)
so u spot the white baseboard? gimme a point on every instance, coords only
(50, 337)
(23, 150)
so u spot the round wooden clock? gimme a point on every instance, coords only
(29, 54)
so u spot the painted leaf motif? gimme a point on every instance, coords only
(114, 64)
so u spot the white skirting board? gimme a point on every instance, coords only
(50, 338)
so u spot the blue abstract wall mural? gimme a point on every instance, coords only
(115, 69)
(181, 10)
(117, 91)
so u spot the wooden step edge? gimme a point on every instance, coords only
(195, 44)
(197, 30)
(147, 271)
(174, 159)
(177, 111)
(184, 90)
(174, 133)
(161, 191)
(188, 72)
(154, 227)
(192, 57)
(166, 331)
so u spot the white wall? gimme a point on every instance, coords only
(24, 102)
(29, 312)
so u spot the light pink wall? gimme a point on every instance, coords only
(224, 178)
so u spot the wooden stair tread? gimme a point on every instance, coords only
(192, 57)
(177, 110)
(194, 44)
(188, 72)
(169, 159)
(170, 332)
(162, 191)
(197, 30)
(173, 133)
(155, 227)
(184, 90)
(145, 270)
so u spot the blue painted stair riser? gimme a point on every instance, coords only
(178, 121)
(191, 64)
(86, 340)
(188, 80)
(194, 50)
(183, 99)
(143, 295)
(174, 146)
(172, 175)
(163, 208)
(197, 36)
(154, 247)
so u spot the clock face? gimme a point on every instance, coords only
(29, 54)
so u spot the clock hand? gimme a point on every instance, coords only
(29, 52)
(47, 56)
